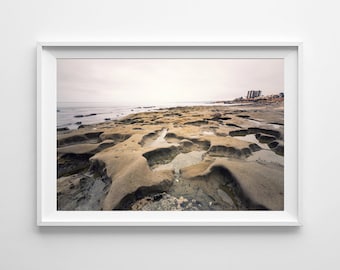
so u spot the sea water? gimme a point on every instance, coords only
(72, 115)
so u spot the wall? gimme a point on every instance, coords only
(313, 246)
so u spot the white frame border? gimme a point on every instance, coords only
(46, 80)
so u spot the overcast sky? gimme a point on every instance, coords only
(152, 81)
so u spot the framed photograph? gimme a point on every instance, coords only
(168, 134)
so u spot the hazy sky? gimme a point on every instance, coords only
(152, 81)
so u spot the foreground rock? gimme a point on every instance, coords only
(249, 185)
(131, 177)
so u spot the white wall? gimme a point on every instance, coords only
(314, 246)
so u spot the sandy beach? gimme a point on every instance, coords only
(183, 158)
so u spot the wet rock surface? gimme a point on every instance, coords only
(81, 192)
(176, 159)
(167, 202)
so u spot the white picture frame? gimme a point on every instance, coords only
(49, 52)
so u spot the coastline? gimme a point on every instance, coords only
(71, 115)
(212, 157)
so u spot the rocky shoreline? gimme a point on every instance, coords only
(184, 158)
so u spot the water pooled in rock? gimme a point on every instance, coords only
(252, 138)
(160, 140)
(266, 156)
(255, 122)
(182, 160)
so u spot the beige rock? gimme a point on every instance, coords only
(141, 152)
(260, 184)
(85, 148)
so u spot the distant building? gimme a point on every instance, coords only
(253, 93)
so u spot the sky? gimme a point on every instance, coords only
(155, 81)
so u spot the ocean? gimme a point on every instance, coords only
(73, 114)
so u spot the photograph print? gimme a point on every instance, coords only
(170, 134)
